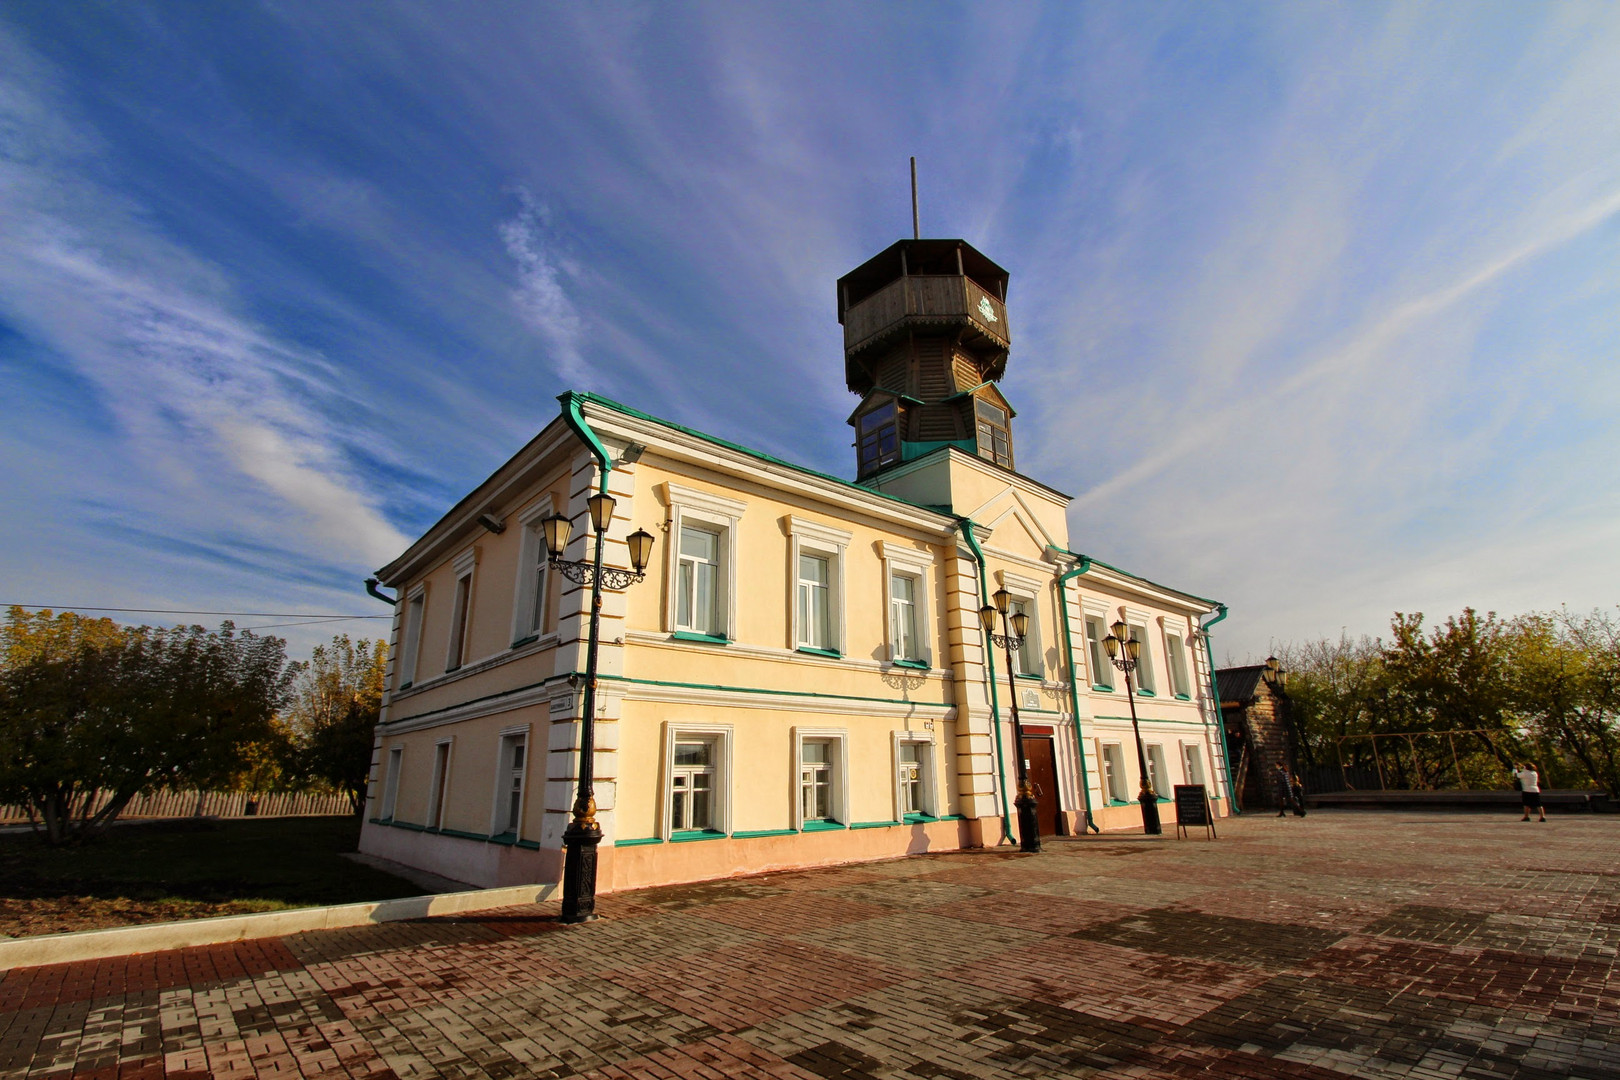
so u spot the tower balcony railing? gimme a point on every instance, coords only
(933, 299)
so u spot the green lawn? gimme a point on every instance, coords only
(185, 869)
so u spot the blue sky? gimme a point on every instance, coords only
(1317, 308)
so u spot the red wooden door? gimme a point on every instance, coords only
(1042, 766)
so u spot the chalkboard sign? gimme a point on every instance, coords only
(1192, 809)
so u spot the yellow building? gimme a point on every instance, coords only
(802, 678)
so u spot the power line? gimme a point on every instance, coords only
(177, 611)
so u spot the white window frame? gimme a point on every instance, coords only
(721, 736)
(929, 780)
(718, 514)
(826, 542)
(504, 746)
(1028, 591)
(1115, 775)
(1192, 760)
(529, 597)
(1102, 669)
(909, 562)
(461, 608)
(411, 646)
(390, 799)
(838, 802)
(1175, 657)
(439, 793)
(1138, 623)
(1158, 769)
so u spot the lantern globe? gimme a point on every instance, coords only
(1119, 628)
(1111, 643)
(1133, 649)
(1003, 600)
(1020, 624)
(987, 616)
(601, 505)
(641, 545)
(556, 529)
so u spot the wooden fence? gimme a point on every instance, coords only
(225, 804)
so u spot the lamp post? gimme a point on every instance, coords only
(1124, 654)
(583, 834)
(1029, 825)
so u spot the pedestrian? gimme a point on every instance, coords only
(1529, 778)
(1285, 790)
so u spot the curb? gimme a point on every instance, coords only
(223, 929)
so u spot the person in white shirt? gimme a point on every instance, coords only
(1530, 790)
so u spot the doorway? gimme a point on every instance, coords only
(1041, 761)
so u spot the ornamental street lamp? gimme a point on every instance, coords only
(583, 835)
(1116, 644)
(1029, 827)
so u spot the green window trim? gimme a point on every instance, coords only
(461, 835)
(1162, 799)
(688, 835)
(1119, 802)
(529, 845)
(830, 654)
(1145, 693)
(1183, 697)
(914, 665)
(704, 639)
(919, 819)
(506, 838)
(753, 834)
(951, 817)
(522, 641)
(405, 686)
(1101, 689)
(823, 826)
(874, 824)
(639, 841)
(1025, 675)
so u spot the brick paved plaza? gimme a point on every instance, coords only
(1346, 944)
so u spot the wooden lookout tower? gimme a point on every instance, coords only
(925, 341)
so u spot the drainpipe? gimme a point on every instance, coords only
(1215, 696)
(575, 420)
(371, 587)
(965, 525)
(1074, 688)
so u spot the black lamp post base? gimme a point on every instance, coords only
(1150, 813)
(1029, 826)
(579, 872)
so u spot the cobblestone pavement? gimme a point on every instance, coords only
(1348, 944)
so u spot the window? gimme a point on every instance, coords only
(878, 437)
(441, 782)
(509, 772)
(529, 600)
(816, 556)
(815, 780)
(1145, 682)
(903, 617)
(702, 566)
(1158, 775)
(905, 574)
(1176, 654)
(1027, 657)
(1192, 760)
(396, 761)
(415, 607)
(914, 775)
(697, 586)
(461, 610)
(995, 438)
(815, 602)
(1102, 669)
(1113, 763)
(692, 793)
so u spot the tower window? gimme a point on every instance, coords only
(879, 437)
(995, 438)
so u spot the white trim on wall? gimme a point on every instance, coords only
(411, 648)
(930, 782)
(839, 803)
(909, 562)
(531, 552)
(716, 512)
(817, 539)
(721, 734)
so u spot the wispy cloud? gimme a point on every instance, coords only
(539, 296)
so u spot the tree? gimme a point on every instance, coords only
(89, 709)
(1567, 686)
(334, 713)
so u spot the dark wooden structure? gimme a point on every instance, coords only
(1259, 736)
(925, 341)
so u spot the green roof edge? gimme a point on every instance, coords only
(1135, 577)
